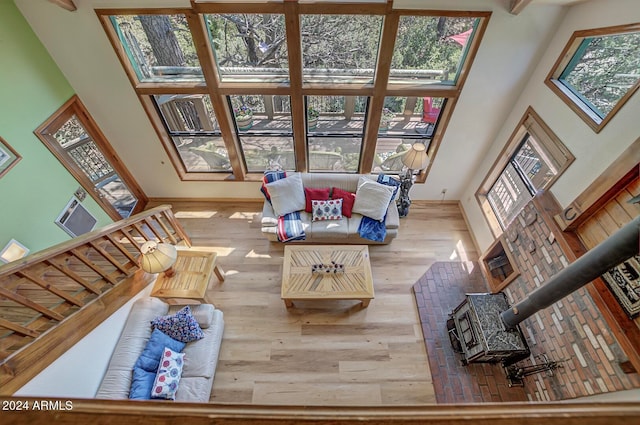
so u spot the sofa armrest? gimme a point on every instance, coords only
(269, 218)
(393, 218)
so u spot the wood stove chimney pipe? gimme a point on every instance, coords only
(618, 247)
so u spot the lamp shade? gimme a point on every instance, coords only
(416, 158)
(157, 257)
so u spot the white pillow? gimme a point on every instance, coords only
(287, 195)
(372, 199)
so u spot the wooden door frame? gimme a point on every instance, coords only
(74, 106)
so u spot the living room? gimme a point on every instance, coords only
(506, 77)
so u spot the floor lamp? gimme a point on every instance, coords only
(415, 158)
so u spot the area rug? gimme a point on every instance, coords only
(624, 281)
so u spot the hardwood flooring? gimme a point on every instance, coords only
(321, 352)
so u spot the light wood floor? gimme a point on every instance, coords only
(322, 352)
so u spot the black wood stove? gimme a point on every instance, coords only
(478, 334)
(484, 328)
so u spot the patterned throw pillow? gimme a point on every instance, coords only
(168, 375)
(181, 326)
(327, 210)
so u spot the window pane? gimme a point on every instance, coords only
(262, 114)
(336, 114)
(339, 154)
(430, 49)
(389, 153)
(261, 153)
(203, 153)
(118, 194)
(603, 69)
(70, 133)
(508, 196)
(83, 150)
(410, 116)
(159, 47)
(249, 47)
(187, 112)
(339, 48)
(535, 164)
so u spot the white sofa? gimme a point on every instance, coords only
(200, 358)
(343, 231)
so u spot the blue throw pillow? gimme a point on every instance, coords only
(181, 326)
(142, 384)
(150, 357)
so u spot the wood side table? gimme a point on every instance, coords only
(193, 270)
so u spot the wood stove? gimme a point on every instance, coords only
(479, 335)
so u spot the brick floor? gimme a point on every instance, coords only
(438, 292)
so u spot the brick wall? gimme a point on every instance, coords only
(572, 329)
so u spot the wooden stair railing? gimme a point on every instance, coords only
(51, 299)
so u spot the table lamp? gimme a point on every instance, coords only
(415, 158)
(158, 257)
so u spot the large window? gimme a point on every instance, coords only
(235, 89)
(532, 160)
(598, 71)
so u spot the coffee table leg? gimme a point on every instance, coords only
(365, 303)
(288, 303)
(219, 273)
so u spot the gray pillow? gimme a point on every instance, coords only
(287, 195)
(372, 199)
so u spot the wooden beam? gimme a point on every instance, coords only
(65, 4)
(517, 6)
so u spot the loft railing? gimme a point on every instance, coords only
(51, 299)
(107, 412)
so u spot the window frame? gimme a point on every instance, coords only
(295, 87)
(529, 125)
(574, 100)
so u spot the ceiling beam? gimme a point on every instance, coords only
(517, 6)
(65, 4)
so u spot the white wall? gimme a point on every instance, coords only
(79, 45)
(593, 152)
(78, 372)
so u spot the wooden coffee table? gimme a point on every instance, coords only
(193, 270)
(299, 283)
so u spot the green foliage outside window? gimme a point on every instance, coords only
(603, 69)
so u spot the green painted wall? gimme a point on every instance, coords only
(32, 88)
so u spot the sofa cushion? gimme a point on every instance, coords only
(269, 218)
(312, 194)
(150, 356)
(181, 326)
(168, 375)
(354, 224)
(372, 199)
(344, 181)
(327, 210)
(348, 199)
(200, 359)
(335, 229)
(141, 384)
(287, 195)
(194, 389)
